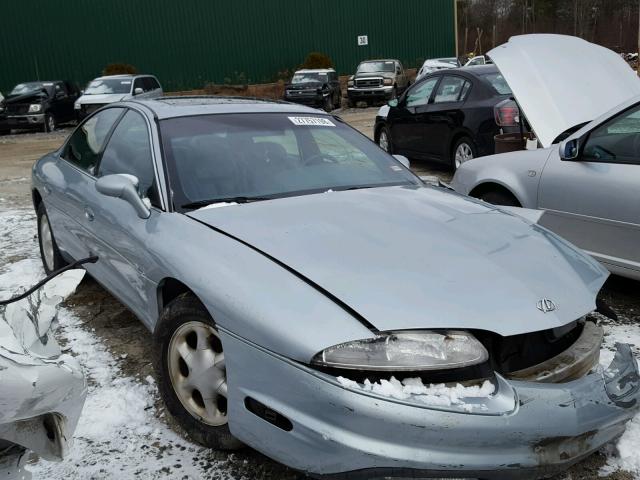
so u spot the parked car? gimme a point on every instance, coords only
(450, 116)
(43, 391)
(435, 64)
(478, 60)
(315, 87)
(114, 88)
(4, 123)
(41, 105)
(377, 80)
(294, 314)
(586, 177)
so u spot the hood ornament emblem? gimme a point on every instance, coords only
(545, 305)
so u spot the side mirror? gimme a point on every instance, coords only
(569, 149)
(125, 187)
(403, 160)
(138, 91)
(393, 102)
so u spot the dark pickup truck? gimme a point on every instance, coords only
(316, 88)
(40, 105)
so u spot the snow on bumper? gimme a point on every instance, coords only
(43, 391)
(522, 429)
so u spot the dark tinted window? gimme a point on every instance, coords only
(617, 141)
(85, 145)
(129, 151)
(138, 83)
(153, 83)
(449, 89)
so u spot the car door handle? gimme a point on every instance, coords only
(88, 213)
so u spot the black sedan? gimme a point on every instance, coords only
(450, 116)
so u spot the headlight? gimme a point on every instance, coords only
(388, 81)
(35, 108)
(350, 83)
(77, 106)
(406, 351)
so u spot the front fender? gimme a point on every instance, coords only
(518, 172)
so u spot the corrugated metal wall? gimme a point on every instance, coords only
(188, 43)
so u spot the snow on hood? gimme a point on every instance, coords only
(417, 257)
(561, 81)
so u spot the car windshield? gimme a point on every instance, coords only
(309, 77)
(499, 84)
(31, 87)
(381, 66)
(108, 85)
(239, 158)
(451, 61)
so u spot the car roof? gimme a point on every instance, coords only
(124, 75)
(184, 106)
(480, 69)
(315, 70)
(381, 60)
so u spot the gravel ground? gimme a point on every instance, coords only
(127, 347)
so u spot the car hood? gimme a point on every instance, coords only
(36, 97)
(561, 81)
(375, 75)
(421, 257)
(102, 98)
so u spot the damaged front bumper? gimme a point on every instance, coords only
(525, 429)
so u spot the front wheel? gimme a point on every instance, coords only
(49, 122)
(496, 197)
(190, 364)
(51, 258)
(463, 151)
(384, 140)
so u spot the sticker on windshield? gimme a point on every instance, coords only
(312, 121)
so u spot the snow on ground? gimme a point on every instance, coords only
(118, 435)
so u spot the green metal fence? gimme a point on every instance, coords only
(189, 43)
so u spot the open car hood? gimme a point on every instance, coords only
(562, 81)
(418, 257)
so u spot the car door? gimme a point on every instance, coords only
(444, 116)
(405, 120)
(594, 200)
(120, 238)
(65, 101)
(156, 89)
(70, 180)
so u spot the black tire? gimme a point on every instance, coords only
(497, 197)
(186, 308)
(338, 102)
(53, 260)
(49, 122)
(385, 131)
(462, 141)
(328, 104)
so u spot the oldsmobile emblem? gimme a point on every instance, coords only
(545, 305)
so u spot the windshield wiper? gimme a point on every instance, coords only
(241, 199)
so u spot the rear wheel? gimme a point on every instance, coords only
(497, 197)
(51, 258)
(463, 151)
(191, 368)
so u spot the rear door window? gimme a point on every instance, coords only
(450, 89)
(498, 83)
(84, 147)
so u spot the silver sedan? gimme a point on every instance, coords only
(310, 297)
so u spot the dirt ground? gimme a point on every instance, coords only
(127, 339)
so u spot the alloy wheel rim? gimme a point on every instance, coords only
(46, 240)
(463, 154)
(51, 123)
(198, 373)
(384, 141)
